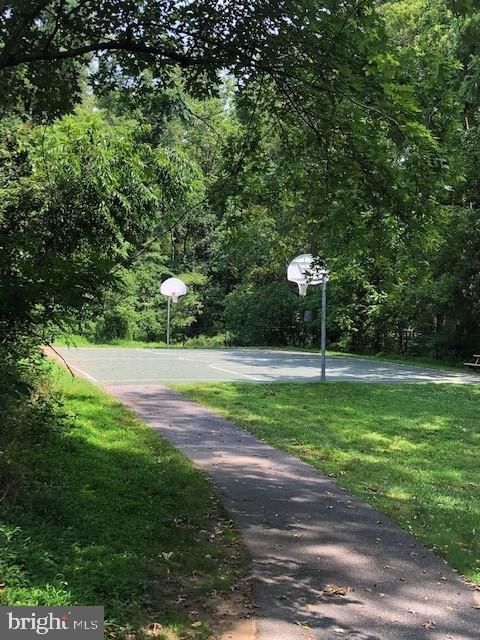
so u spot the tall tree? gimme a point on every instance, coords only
(77, 197)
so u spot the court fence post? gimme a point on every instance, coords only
(168, 322)
(324, 325)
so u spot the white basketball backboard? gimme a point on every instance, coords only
(302, 270)
(173, 288)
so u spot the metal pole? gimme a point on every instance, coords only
(324, 324)
(168, 323)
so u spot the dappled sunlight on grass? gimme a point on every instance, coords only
(112, 515)
(409, 450)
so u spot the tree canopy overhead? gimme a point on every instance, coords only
(303, 48)
(229, 136)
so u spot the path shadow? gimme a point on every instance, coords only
(308, 536)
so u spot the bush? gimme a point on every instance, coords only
(28, 416)
(208, 342)
(266, 314)
(117, 324)
(150, 326)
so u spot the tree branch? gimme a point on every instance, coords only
(13, 60)
(27, 19)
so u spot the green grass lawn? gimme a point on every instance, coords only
(412, 451)
(74, 340)
(197, 342)
(108, 513)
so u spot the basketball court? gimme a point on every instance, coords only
(121, 365)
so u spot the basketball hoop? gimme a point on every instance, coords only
(302, 288)
(305, 270)
(173, 288)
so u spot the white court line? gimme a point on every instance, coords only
(159, 380)
(130, 358)
(165, 356)
(84, 373)
(235, 373)
(182, 358)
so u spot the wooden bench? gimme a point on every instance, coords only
(475, 364)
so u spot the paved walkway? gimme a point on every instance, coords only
(311, 541)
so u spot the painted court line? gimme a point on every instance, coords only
(235, 373)
(165, 356)
(158, 380)
(82, 372)
(184, 358)
(136, 359)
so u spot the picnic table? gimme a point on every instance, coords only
(475, 364)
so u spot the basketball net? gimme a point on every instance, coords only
(174, 296)
(302, 288)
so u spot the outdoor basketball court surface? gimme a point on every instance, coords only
(122, 365)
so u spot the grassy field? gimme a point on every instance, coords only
(82, 341)
(412, 451)
(110, 514)
(198, 342)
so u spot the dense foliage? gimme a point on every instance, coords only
(77, 196)
(217, 140)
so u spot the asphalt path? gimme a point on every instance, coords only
(117, 365)
(325, 564)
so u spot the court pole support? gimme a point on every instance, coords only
(168, 322)
(324, 325)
